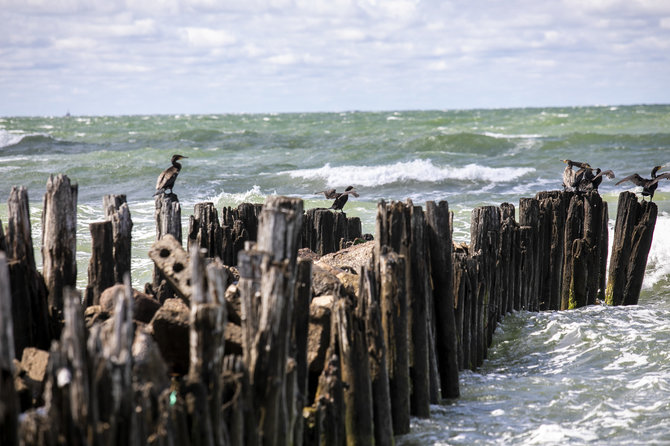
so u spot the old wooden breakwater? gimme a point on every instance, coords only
(264, 331)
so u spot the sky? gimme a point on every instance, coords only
(116, 57)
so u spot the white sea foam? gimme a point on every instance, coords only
(416, 170)
(9, 138)
(658, 262)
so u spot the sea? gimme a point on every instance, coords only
(596, 375)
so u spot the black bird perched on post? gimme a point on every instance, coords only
(167, 178)
(341, 198)
(332, 193)
(591, 182)
(648, 185)
(571, 179)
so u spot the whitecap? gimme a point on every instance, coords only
(10, 138)
(416, 170)
(658, 262)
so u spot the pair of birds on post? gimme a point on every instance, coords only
(168, 177)
(586, 178)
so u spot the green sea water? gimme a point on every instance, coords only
(570, 378)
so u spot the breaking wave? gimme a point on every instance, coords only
(417, 170)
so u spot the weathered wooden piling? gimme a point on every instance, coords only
(354, 364)
(401, 226)
(101, 265)
(59, 238)
(553, 209)
(323, 229)
(484, 241)
(379, 378)
(267, 339)
(440, 244)
(205, 231)
(33, 326)
(117, 211)
(393, 307)
(168, 221)
(422, 301)
(239, 225)
(9, 403)
(207, 325)
(633, 233)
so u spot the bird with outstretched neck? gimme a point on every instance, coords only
(167, 178)
(342, 198)
(649, 185)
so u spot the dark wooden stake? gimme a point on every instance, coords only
(633, 234)
(117, 210)
(101, 265)
(9, 403)
(440, 244)
(59, 238)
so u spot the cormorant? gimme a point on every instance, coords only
(648, 185)
(571, 179)
(591, 182)
(167, 178)
(341, 198)
(332, 193)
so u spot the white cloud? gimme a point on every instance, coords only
(207, 38)
(359, 51)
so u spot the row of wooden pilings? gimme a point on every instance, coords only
(422, 311)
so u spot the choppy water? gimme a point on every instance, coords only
(599, 375)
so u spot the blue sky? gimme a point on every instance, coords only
(205, 56)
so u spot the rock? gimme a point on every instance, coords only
(233, 305)
(29, 380)
(349, 259)
(234, 339)
(147, 359)
(170, 328)
(144, 306)
(319, 332)
(94, 314)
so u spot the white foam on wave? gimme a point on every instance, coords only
(416, 170)
(9, 138)
(658, 262)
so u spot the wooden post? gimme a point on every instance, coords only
(571, 291)
(116, 210)
(205, 231)
(238, 405)
(485, 238)
(32, 324)
(354, 363)
(633, 234)
(101, 265)
(9, 403)
(379, 378)
(267, 349)
(507, 257)
(299, 343)
(459, 261)
(530, 215)
(393, 306)
(595, 212)
(420, 342)
(553, 208)
(324, 230)
(59, 238)
(441, 245)
(168, 221)
(206, 328)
